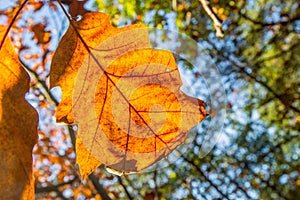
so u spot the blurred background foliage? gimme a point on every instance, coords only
(259, 59)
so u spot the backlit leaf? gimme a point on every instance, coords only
(95, 28)
(18, 127)
(125, 96)
(86, 161)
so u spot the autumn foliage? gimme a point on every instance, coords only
(18, 127)
(91, 101)
(124, 96)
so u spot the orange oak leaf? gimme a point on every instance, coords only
(139, 115)
(95, 28)
(124, 95)
(18, 127)
(86, 162)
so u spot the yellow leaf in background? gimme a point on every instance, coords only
(18, 127)
(40, 34)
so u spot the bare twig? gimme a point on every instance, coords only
(41, 84)
(53, 187)
(242, 68)
(231, 180)
(262, 23)
(206, 178)
(216, 20)
(155, 185)
(124, 187)
(100, 189)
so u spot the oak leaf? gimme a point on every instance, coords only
(95, 28)
(124, 95)
(18, 127)
(86, 161)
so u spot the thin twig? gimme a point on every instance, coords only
(155, 186)
(261, 23)
(12, 22)
(217, 22)
(100, 189)
(265, 85)
(41, 84)
(231, 180)
(53, 187)
(242, 67)
(207, 179)
(124, 187)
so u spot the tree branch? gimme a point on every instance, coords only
(261, 23)
(207, 179)
(265, 85)
(216, 20)
(100, 189)
(53, 187)
(157, 196)
(242, 68)
(124, 187)
(41, 84)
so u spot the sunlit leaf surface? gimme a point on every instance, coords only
(18, 127)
